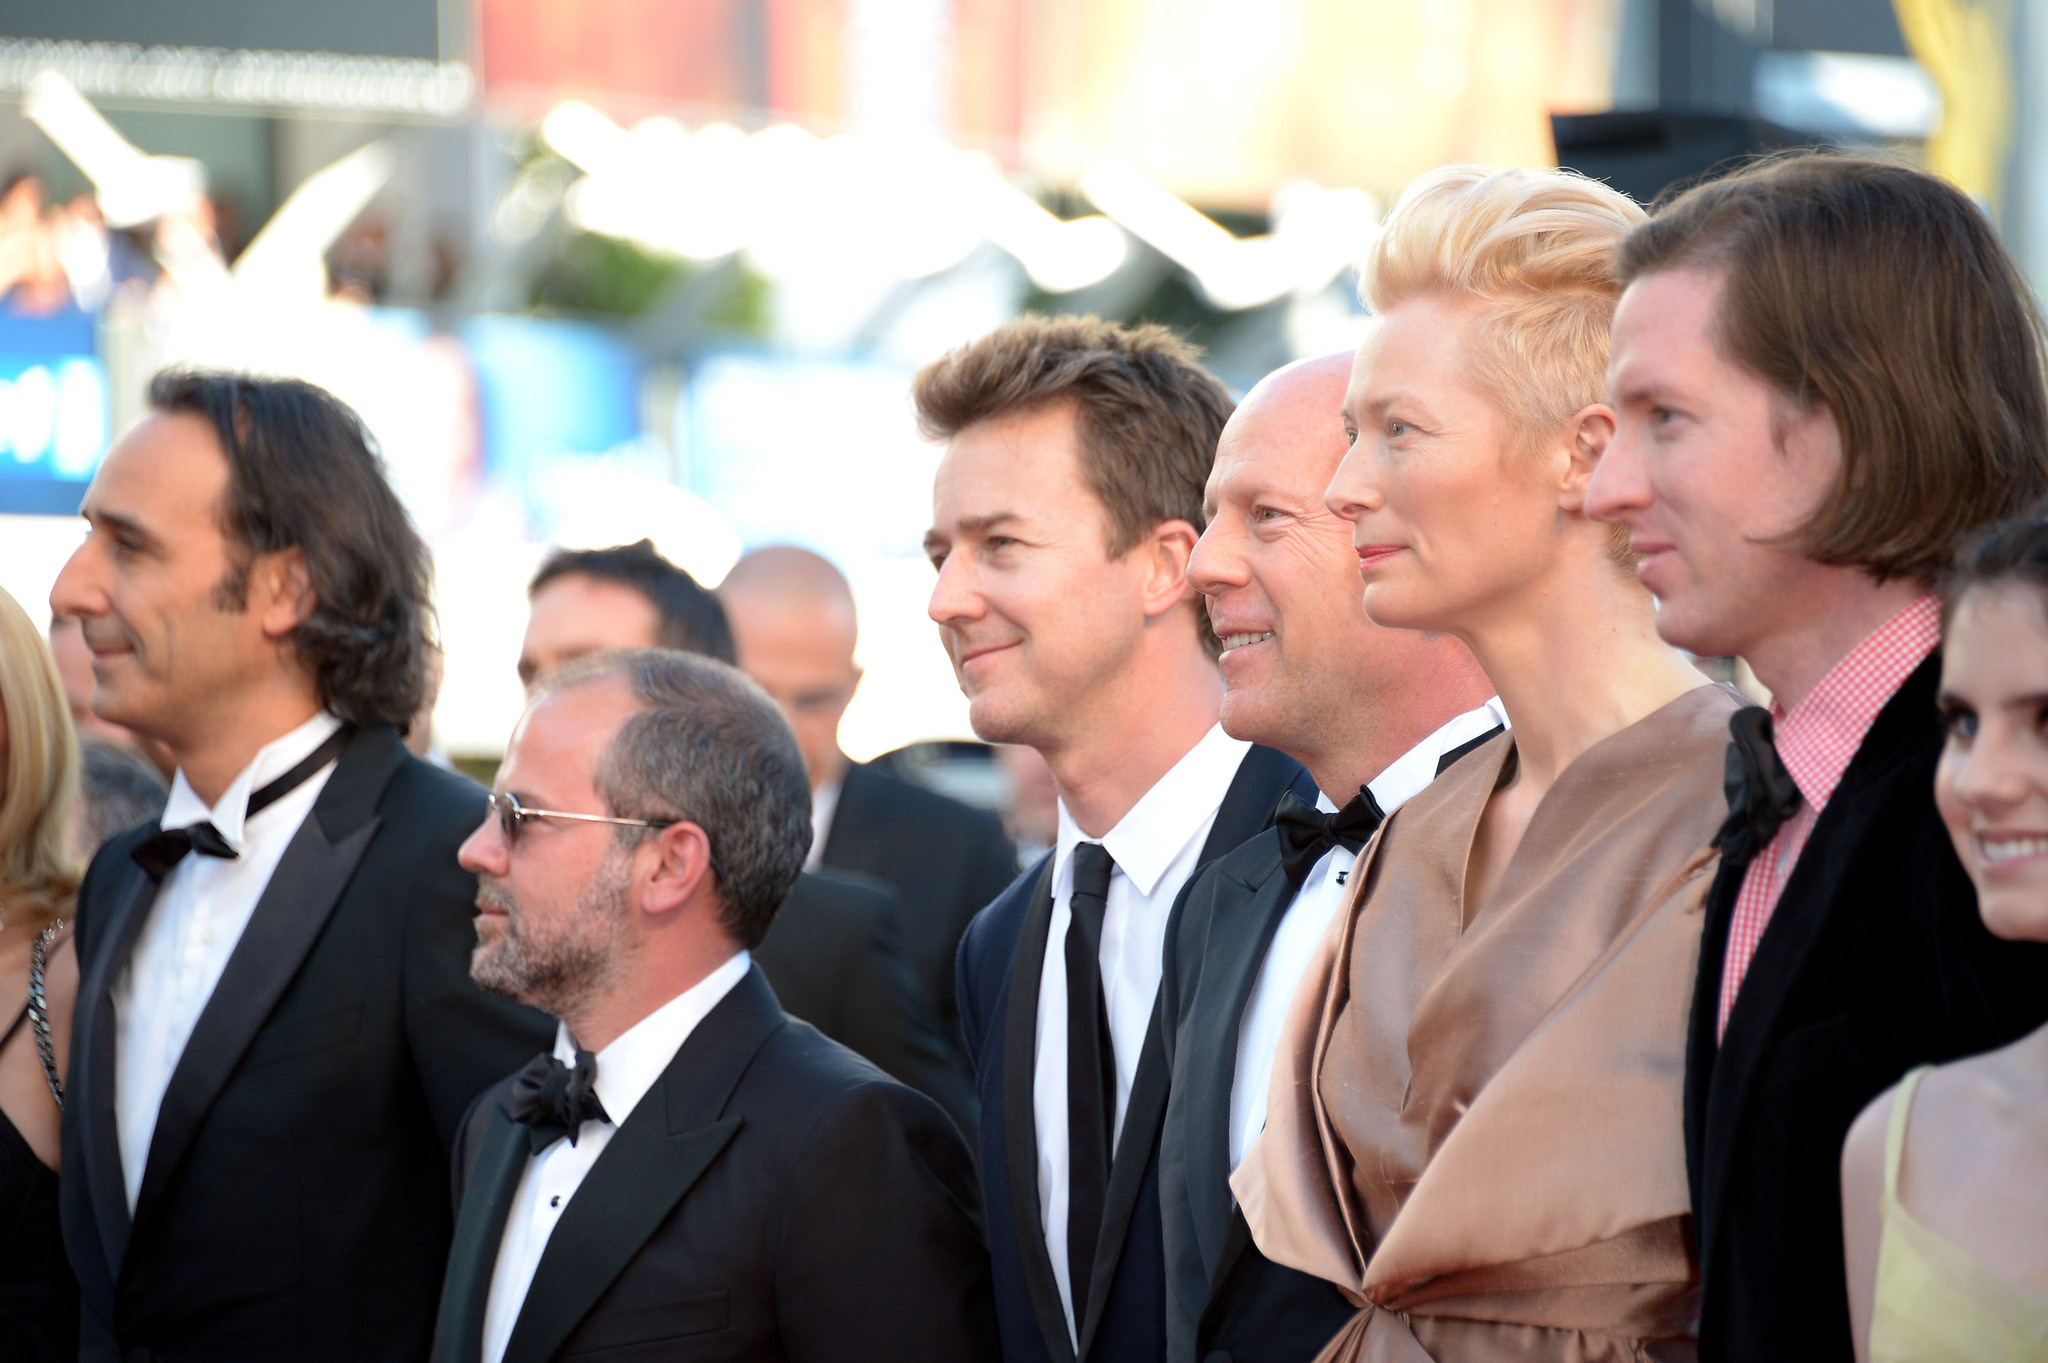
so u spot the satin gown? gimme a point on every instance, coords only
(1475, 1126)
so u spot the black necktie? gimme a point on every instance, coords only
(1307, 833)
(1761, 793)
(165, 848)
(553, 1100)
(1091, 1069)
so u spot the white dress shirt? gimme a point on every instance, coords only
(1155, 847)
(824, 804)
(626, 1069)
(200, 913)
(1308, 917)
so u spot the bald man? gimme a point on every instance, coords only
(793, 622)
(1374, 714)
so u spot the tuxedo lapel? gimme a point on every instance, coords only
(1247, 914)
(1263, 776)
(479, 1228)
(1135, 1147)
(287, 920)
(672, 1137)
(1020, 1107)
(1810, 898)
(92, 1076)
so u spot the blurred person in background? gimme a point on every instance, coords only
(32, 278)
(116, 791)
(74, 669)
(690, 1173)
(1033, 818)
(1374, 714)
(277, 1032)
(1944, 1191)
(38, 885)
(585, 601)
(1473, 1126)
(1064, 509)
(1827, 369)
(835, 953)
(793, 619)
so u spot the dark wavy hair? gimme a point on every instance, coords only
(302, 475)
(2011, 553)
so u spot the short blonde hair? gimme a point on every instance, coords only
(1539, 248)
(37, 872)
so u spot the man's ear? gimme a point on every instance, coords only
(680, 868)
(1167, 551)
(281, 591)
(1586, 439)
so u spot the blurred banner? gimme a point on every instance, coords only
(1349, 92)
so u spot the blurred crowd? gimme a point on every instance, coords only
(1396, 947)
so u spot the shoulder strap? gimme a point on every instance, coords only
(1895, 1133)
(38, 1009)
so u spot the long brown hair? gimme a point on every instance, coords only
(1883, 292)
(39, 782)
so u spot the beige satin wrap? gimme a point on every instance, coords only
(1475, 1124)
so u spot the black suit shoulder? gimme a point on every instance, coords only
(905, 802)
(832, 956)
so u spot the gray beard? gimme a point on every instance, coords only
(564, 972)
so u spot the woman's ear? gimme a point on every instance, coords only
(1587, 438)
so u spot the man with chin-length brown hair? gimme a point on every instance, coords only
(1826, 370)
(1063, 513)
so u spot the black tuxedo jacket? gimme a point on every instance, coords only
(1225, 1301)
(946, 861)
(295, 1200)
(773, 1196)
(835, 959)
(1874, 961)
(1001, 959)
(1222, 1295)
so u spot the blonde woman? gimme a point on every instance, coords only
(38, 880)
(1474, 1127)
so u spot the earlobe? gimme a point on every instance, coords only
(1592, 431)
(1173, 545)
(288, 589)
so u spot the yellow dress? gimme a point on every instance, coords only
(1934, 1303)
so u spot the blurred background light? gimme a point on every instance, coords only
(598, 270)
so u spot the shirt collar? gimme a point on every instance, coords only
(1178, 807)
(1407, 775)
(1817, 738)
(628, 1067)
(184, 808)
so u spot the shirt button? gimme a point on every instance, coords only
(555, 1201)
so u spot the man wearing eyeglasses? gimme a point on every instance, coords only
(836, 958)
(691, 1172)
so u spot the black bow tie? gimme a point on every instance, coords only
(1761, 793)
(1306, 833)
(165, 848)
(554, 1100)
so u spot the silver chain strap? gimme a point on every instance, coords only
(39, 1012)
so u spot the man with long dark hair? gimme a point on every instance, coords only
(276, 1035)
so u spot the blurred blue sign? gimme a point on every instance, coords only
(53, 412)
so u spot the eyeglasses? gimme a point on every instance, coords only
(512, 816)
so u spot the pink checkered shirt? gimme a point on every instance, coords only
(1816, 740)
